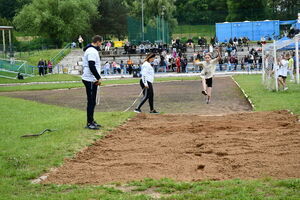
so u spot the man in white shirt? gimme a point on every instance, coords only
(91, 78)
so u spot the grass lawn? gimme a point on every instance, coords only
(47, 78)
(33, 57)
(9, 74)
(23, 159)
(189, 31)
(264, 99)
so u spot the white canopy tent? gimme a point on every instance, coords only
(284, 44)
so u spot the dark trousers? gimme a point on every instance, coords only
(148, 94)
(41, 71)
(91, 93)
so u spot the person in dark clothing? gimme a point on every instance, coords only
(91, 78)
(45, 67)
(41, 67)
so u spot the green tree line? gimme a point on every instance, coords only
(64, 20)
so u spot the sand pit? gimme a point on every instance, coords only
(190, 148)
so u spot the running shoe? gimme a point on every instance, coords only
(92, 126)
(96, 124)
(137, 110)
(154, 112)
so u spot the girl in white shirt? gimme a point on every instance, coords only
(282, 72)
(146, 84)
(207, 73)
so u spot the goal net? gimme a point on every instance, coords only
(270, 54)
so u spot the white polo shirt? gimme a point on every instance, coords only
(91, 54)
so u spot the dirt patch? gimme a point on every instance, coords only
(190, 148)
(170, 97)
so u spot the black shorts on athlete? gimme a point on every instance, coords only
(209, 82)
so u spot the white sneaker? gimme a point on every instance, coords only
(286, 88)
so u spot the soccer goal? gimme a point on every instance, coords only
(271, 52)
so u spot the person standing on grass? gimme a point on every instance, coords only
(207, 73)
(91, 78)
(41, 67)
(282, 71)
(290, 67)
(146, 84)
(50, 66)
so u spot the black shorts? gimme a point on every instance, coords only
(209, 82)
(283, 77)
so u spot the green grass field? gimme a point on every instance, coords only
(190, 31)
(23, 159)
(33, 57)
(270, 100)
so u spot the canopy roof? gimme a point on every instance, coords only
(284, 43)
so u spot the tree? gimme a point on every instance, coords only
(201, 11)
(9, 8)
(283, 9)
(152, 9)
(57, 20)
(240, 10)
(113, 19)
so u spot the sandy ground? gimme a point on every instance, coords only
(190, 148)
(192, 141)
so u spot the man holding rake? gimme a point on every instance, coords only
(91, 78)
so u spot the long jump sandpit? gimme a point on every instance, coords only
(191, 141)
(190, 148)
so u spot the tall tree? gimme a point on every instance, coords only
(113, 19)
(201, 11)
(153, 9)
(191, 11)
(57, 20)
(240, 10)
(283, 9)
(9, 8)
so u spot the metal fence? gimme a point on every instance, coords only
(154, 34)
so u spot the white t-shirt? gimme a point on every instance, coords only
(283, 68)
(147, 73)
(91, 54)
(209, 68)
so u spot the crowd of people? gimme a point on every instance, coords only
(44, 67)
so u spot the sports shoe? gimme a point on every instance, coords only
(204, 92)
(137, 110)
(92, 126)
(154, 112)
(207, 100)
(286, 88)
(96, 124)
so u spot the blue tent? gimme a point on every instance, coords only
(291, 46)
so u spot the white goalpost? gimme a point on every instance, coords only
(270, 55)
